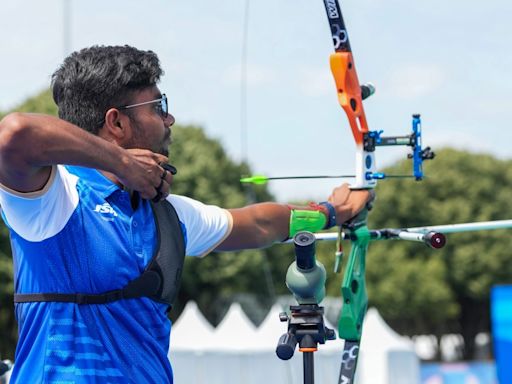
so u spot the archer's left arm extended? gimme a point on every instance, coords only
(261, 225)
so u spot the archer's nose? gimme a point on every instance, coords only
(169, 120)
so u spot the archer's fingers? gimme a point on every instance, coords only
(362, 197)
(160, 159)
(166, 177)
(340, 194)
(161, 192)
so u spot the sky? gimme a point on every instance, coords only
(448, 60)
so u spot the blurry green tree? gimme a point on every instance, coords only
(420, 290)
(207, 174)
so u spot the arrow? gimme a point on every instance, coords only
(262, 179)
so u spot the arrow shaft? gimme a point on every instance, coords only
(310, 177)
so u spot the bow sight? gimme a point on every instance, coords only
(374, 139)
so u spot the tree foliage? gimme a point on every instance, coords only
(420, 290)
(207, 174)
(40, 103)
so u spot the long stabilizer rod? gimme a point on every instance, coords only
(464, 227)
(423, 234)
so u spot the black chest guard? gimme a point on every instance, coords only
(160, 280)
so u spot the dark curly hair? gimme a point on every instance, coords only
(92, 80)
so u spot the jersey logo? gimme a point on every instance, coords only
(106, 211)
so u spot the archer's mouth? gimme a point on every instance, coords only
(167, 141)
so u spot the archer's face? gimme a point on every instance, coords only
(149, 123)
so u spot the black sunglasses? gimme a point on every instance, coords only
(162, 107)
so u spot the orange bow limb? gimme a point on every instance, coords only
(349, 93)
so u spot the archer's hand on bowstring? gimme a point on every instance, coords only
(147, 173)
(349, 202)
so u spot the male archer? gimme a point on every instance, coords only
(78, 195)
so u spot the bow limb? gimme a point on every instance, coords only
(350, 99)
(349, 95)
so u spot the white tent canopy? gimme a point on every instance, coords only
(269, 331)
(237, 352)
(386, 356)
(235, 331)
(192, 332)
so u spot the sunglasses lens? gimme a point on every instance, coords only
(164, 105)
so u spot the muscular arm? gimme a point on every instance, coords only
(257, 226)
(31, 143)
(260, 225)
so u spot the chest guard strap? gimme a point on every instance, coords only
(160, 280)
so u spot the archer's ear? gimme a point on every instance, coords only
(116, 125)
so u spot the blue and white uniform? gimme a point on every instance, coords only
(80, 235)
